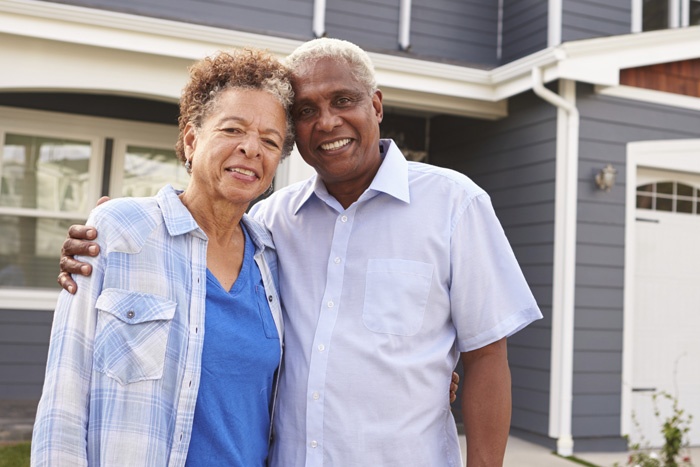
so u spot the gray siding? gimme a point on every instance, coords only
(513, 160)
(459, 30)
(290, 18)
(524, 28)
(371, 24)
(607, 125)
(24, 343)
(583, 19)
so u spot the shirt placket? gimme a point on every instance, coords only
(330, 307)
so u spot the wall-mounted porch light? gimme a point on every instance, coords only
(605, 179)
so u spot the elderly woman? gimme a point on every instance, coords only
(167, 354)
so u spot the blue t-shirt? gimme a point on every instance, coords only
(241, 353)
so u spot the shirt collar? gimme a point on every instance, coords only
(178, 219)
(391, 178)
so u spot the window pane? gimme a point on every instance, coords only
(694, 13)
(665, 187)
(147, 170)
(684, 206)
(644, 202)
(648, 188)
(30, 250)
(44, 173)
(684, 190)
(654, 15)
(664, 204)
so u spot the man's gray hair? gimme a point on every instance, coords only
(335, 49)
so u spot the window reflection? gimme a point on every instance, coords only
(146, 170)
(44, 173)
(42, 177)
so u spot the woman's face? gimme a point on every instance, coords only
(236, 151)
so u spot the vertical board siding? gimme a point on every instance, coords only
(291, 18)
(607, 125)
(513, 160)
(524, 28)
(24, 345)
(583, 19)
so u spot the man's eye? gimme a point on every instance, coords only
(343, 100)
(304, 112)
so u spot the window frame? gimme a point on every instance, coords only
(96, 130)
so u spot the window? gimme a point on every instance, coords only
(669, 196)
(53, 168)
(650, 15)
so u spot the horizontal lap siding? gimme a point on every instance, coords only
(24, 343)
(584, 19)
(455, 30)
(290, 18)
(371, 24)
(607, 125)
(513, 160)
(524, 28)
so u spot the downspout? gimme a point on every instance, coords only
(564, 277)
(319, 23)
(554, 21)
(405, 25)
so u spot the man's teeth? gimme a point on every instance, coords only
(242, 171)
(335, 145)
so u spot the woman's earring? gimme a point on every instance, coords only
(188, 166)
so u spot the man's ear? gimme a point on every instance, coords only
(378, 106)
(189, 139)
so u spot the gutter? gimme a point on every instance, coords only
(564, 274)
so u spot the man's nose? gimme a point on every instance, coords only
(328, 120)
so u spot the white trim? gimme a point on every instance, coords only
(319, 21)
(674, 13)
(564, 270)
(159, 47)
(650, 95)
(685, 13)
(28, 299)
(664, 155)
(554, 21)
(405, 25)
(637, 17)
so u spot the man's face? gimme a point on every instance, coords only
(337, 125)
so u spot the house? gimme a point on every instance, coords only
(581, 118)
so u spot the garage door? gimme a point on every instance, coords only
(666, 336)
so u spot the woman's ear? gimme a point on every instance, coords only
(189, 139)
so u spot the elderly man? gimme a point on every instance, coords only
(389, 272)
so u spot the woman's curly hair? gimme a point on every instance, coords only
(244, 69)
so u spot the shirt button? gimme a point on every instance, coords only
(316, 396)
(321, 347)
(130, 314)
(330, 304)
(314, 444)
(336, 261)
(269, 298)
(344, 218)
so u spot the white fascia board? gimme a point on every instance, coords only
(650, 95)
(432, 86)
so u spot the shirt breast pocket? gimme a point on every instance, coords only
(396, 295)
(132, 334)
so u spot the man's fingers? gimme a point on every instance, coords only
(66, 281)
(71, 266)
(72, 247)
(82, 232)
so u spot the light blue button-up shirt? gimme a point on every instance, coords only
(125, 355)
(379, 299)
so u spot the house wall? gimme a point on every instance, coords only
(514, 161)
(607, 125)
(24, 345)
(583, 19)
(463, 31)
(524, 28)
(290, 18)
